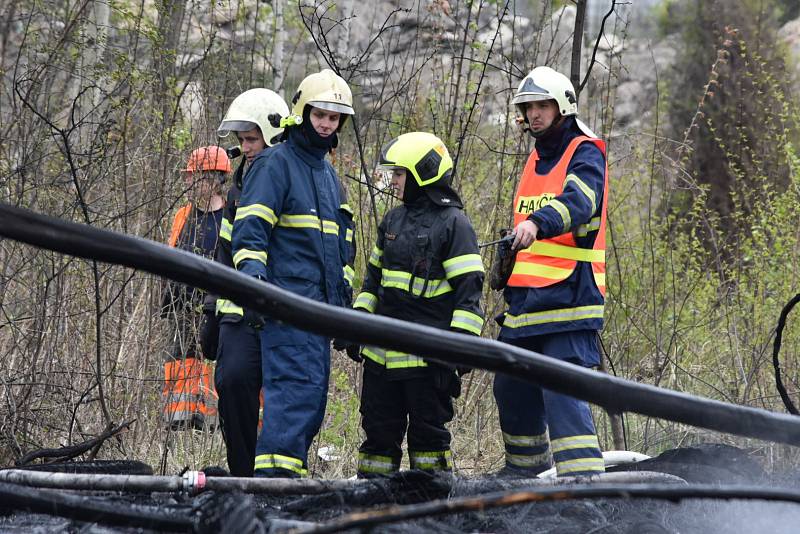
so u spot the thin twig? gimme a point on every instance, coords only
(472, 107)
(65, 453)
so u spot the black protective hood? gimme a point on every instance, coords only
(440, 193)
(314, 139)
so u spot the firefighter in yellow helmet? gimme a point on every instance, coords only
(424, 268)
(291, 230)
(189, 398)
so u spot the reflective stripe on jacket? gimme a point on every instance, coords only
(227, 310)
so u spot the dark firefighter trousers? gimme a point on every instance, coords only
(528, 412)
(238, 382)
(421, 404)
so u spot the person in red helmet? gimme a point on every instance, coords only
(188, 394)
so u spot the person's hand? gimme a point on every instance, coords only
(209, 335)
(254, 319)
(353, 350)
(525, 235)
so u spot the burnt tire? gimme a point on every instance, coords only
(94, 467)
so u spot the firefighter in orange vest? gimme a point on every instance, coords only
(188, 394)
(556, 290)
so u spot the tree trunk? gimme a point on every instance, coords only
(277, 58)
(577, 44)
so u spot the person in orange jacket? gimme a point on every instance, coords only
(188, 394)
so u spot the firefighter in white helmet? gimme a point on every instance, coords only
(291, 230)
(556, 289)
(254, 118)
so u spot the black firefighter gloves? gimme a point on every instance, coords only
(447, 380)
(353, 350)
(503, 263)
(209, 335)
(253, 319)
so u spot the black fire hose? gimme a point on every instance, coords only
(60, 503)
(776, 349)
(612, 393)
(367, 520)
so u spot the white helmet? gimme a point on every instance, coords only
(255, 107)
(544, 83)
(326, 90)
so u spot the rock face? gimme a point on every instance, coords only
(789, 34)
(386, 47)
(642, 63)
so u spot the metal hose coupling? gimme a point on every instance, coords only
(194, 481)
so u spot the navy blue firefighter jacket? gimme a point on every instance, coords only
(290, 228)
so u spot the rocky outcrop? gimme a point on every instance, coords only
(789, 34)
(640, 65)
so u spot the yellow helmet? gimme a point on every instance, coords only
(324, 90)
(420, 153)
(255, 107)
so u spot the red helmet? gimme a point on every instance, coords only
(208, 158)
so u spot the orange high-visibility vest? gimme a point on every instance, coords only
(178, 223)
(188, 395)
(552, 260)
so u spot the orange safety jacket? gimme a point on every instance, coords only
(189, 395)
(552, 260)
(178, 224)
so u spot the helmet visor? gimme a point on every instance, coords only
(531, 97)
(229, 126)
(389, 168)
(332, 106)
